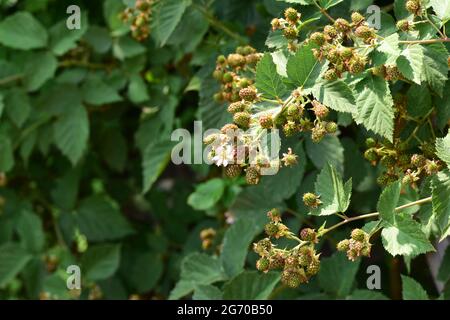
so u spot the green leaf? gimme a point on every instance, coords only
(155, 158)
(375, 106)
(12, 260)
(405, 237)
(206, 194)
(6, 154)
(99, 39)
(251, 285)
(101, 261)
(442, 9)
(444, 269)
(388, 201)
(390, 47)
(443, 149)
(207, 292)
(126, 47)
(412, 290)
(440, 187)
(328, 151)
(197, 269)
(435, 67)
(143, 271)
(166, 16)
(71, 133)
(303, 69)
(17, 105)
(235, 245)
(97, 92)
(410, 63)
(268, 81)
(31, 232)
(337, 274)
(335, 196)
(419, 101)
(22, 31)
(99, 220)
(137, 90)
(36, 74)
(62, 39)
(336, 94)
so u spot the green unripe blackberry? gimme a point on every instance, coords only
(358, 235)
(330, 31)
(252, 176)
(263, 246)
(308, 234)
(242, 119)
(210, 139)
(236, 107)
(221, 59)
(370, 143)
(218, 74)
(333, 55)
(342, 25)
(431, 167)
(276, 24)
(357, 66)
(244, 83)
(365, 251)
(304, 259)
(388, 161)
(276, 261)
(247, 94)
(418, 160)
(263, 264)
(371, 154)
(290, 33)
(364, 32)
(218, 97)
(266, 122)
(293, 110)
(330, 75)
(413, 6)
(404, 25)
(271, 229)
(233, 170)
(343, 245)
(318, 133)
(313, 268)
(290, 128)
(311, 200)
(318, 38)
(331, 127)
(357, 17)
(236, 60)
(293, 277)
(291, 15)
(379, 71)
(346, 53)
(227, 77)
(248, 50)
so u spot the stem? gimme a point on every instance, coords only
(375, 214)
(9, 79)
(324, 12)
(434, 26)
(219, 25)
(430, 41)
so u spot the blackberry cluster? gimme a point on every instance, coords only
(357, 246)
(298, 264)
(139, 17)
(290, 27)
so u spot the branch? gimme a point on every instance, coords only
(375, 214)
(13, 78)
(324, 12)
(430, 41)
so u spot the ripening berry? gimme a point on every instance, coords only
(313, 268)
(365, 251)
(330, 32)
(392, 73)
(252, 176)
(218, 97)
(263, 247)
(318, 38)
(229, 128)
(308, 234)
(236, 107)
(418, 160)
(364, 32)
(218, 74)
(357, 65)
(293, 277)
(318, 133)
(290, 33)
(293, 110)
(263, 264)
(356, 246)
(242, 119)
(247, 94)
(357, 18)
(342, 25)
(290, 128)
(431, 167)
(331, 127)
(379, 71)
(271, 229)
(291, 260)
(233, 170)
(291, 15)
(330, 75)
(346, 53)
(413, 6)
(266, 122)
(235, 60)
(319, 109)
(276, 24)
(370, 142)
(404, 25)
(358, 235)
(311, 200)
(333, 55)
(343, 245)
